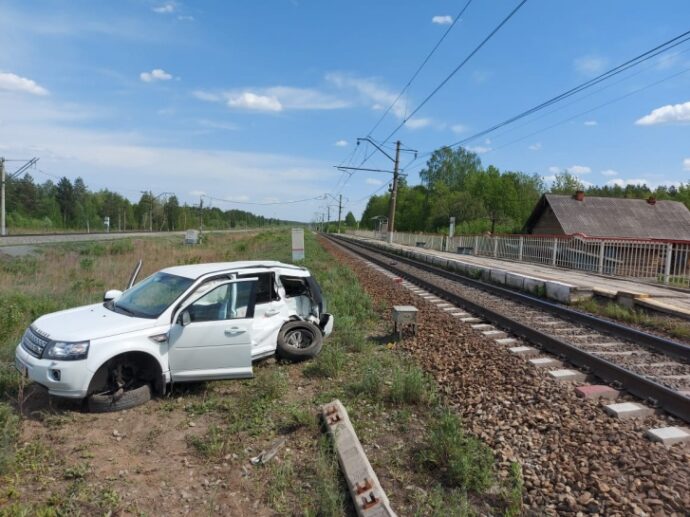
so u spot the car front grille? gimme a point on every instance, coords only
(33, 343)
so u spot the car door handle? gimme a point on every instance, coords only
(233, 331)
(272, 312)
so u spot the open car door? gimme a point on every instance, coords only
(211, 337)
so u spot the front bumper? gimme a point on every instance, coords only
(62, 378)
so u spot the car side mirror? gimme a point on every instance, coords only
(185, 318)
(111, 295)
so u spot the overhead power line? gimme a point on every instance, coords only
(457, 69)
(292, 202)
(645, 56)
(420, 67)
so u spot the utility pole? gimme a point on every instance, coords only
(3, 180)
(3, 230)
(396, 175)
(340, 210)
(394, 193)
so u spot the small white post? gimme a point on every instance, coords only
(475, 250)
(520, 247)
(667, 266)
(495, 245)
(555, 251)
(601, 257)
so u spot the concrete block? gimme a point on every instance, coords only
(515, 281)
(524, 351)
(497, 276)
(483, 326)
(367, 494)
(534, 285)
(506, 341)
(471, 319)
(485, 274)
(625, 410)
(567, 375)
(597, 391)
(559, 291)
(669, 435)
(494, 334)
(546, 362)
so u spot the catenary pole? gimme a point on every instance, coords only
(394, 193)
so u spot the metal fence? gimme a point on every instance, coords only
(647, 260)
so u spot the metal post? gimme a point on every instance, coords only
(520, 246)
(340, 209)
(495, 245)
(475, 250)
(3, 229)
(555, 251)
(667, 266)
(394, 194)
(602, 247)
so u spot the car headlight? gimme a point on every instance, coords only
(66, 351)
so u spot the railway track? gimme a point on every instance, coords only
(650, 367)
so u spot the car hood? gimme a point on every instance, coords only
(88, 323)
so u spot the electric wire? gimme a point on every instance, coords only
(420, 67)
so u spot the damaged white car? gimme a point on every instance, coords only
(185, 323)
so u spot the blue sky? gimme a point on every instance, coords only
(250, 101)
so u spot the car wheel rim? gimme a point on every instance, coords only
(299, 339)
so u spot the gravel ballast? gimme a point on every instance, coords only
(575, 458)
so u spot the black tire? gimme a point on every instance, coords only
(107, 402)
(299, 340)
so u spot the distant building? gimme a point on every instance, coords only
(609, 217)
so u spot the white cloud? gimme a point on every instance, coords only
(550, 178)
(622, 183)
(458, 128)
(479, 149)
(686, 164)
(370, 91)
(442, 20)
(590, 65)
(341, 143)
(252, 101)
(274, 98)
(14, 83)
(418, 123)
(373, 181)
(665, 114)
(157, 74)
(185, 18)
(609, 172)
(166, 8)
(578, 169)
(554, 170)
(206, 96)
(535, 147)
(591, 123)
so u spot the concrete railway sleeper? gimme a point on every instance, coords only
(642, 386)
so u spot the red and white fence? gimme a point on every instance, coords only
(648, 260)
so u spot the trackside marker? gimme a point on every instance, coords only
(368, 496)
(597, 391)
(626, 410)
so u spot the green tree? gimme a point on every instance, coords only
(350, 220)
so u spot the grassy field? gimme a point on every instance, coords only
(189, 451)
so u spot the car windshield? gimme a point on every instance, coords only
(150, 297)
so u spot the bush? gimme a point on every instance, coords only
(329, 363)
(462, 460)
(411, 386)
(121, 247)
(9, 430)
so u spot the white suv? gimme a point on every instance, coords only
(186, 323)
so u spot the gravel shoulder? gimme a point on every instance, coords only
(574, 457)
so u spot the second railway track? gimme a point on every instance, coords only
(650, 367)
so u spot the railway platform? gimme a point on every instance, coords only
(562, 285)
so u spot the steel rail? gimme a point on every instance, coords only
(639, 337)
(656, 394)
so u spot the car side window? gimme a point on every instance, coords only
(226, 302)
(266, 290)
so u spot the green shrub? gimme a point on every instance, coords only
(460, 459)
(121, 247)
(329, 363)
(410, 385)
(9, 431)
